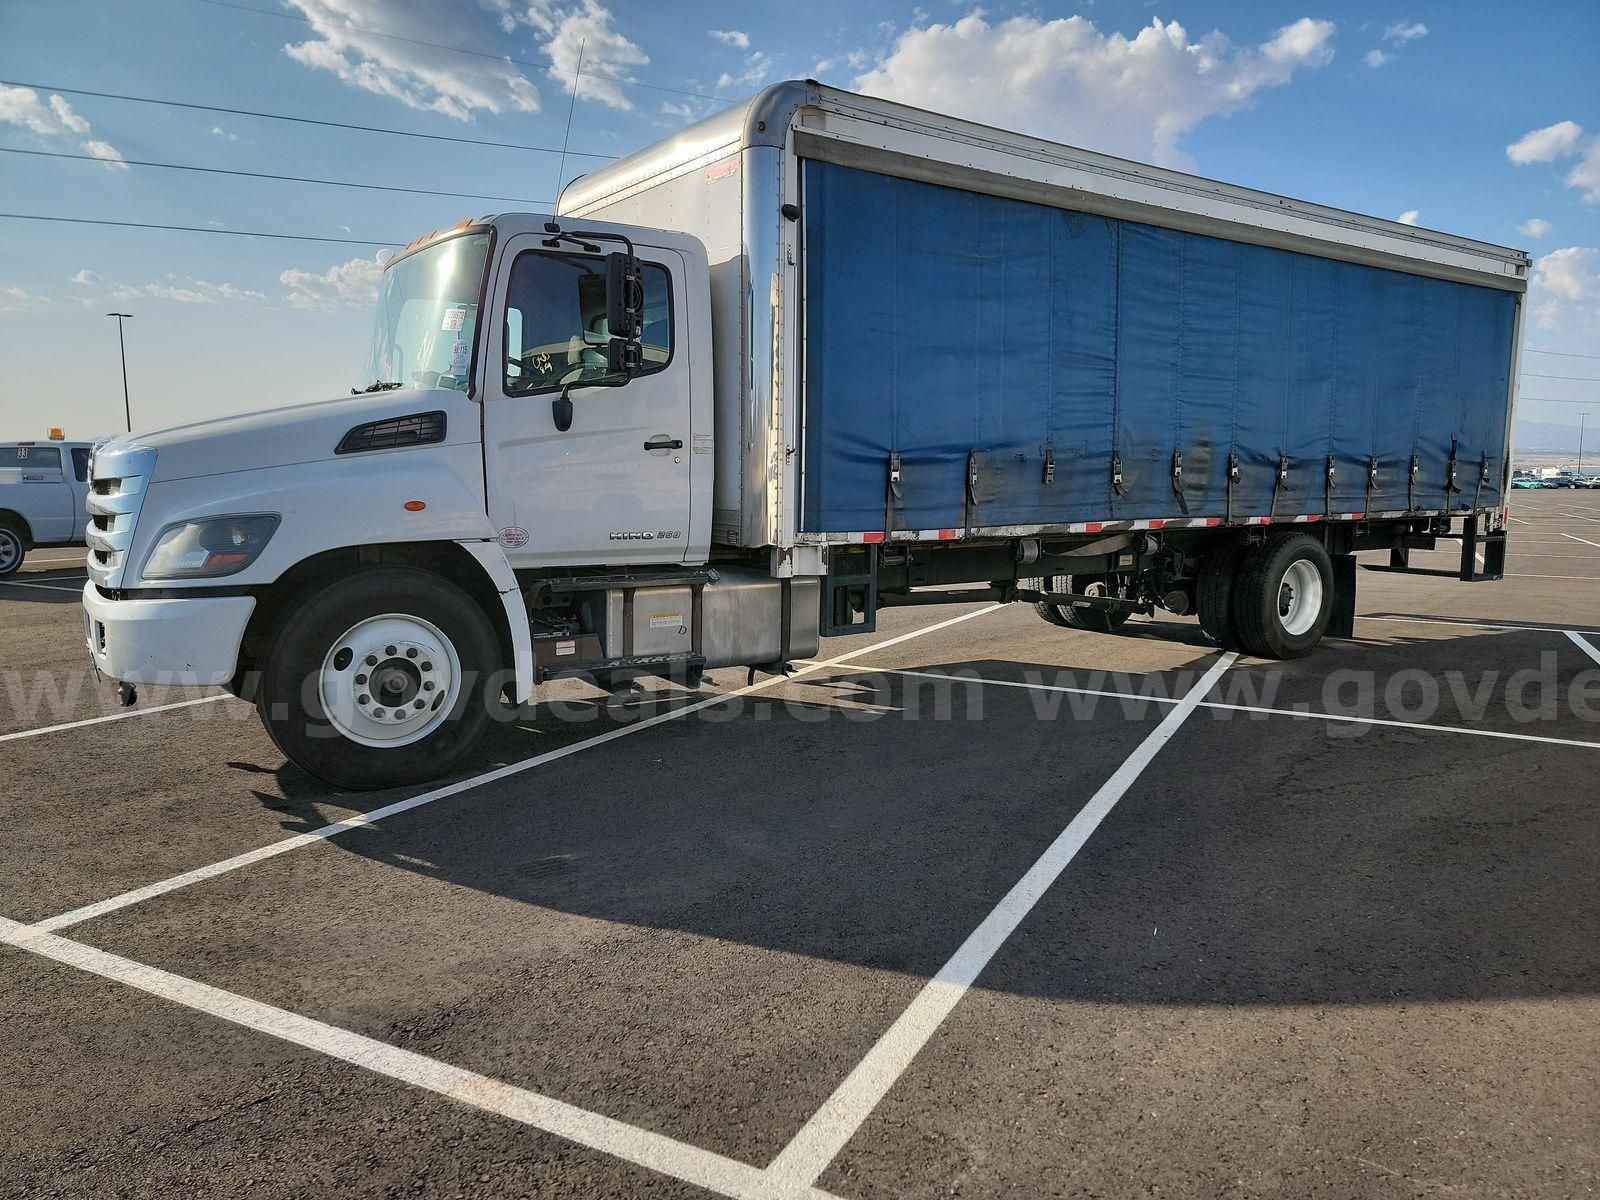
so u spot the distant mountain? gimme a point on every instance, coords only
(1535, 436)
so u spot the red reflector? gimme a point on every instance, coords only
(872, 537)
(416, 505)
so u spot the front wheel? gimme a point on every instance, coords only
(380, 679)
(12, 549)
(1090, 620)
(1283, 597)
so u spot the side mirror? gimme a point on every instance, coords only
(625, 297)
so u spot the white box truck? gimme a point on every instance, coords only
(815, 355)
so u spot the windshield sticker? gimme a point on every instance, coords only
(454, 318)
(459, 354)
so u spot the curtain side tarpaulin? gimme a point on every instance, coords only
(1012, 358)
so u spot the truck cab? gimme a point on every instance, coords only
(43, 486)
(514, 489)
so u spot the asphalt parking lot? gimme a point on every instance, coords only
(1099, 916)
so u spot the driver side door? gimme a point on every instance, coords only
(614, 487)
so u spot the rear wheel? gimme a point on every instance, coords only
(1090, 620)
(1214, 593)
(12, 548)
(1283, 597)
(380, 679)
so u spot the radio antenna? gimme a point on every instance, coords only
(561, 170)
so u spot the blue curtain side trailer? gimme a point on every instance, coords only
(947, 354)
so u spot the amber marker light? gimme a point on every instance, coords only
(416, 505)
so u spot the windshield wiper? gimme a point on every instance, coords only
(378, 385)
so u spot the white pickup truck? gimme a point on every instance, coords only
(42, 490)
(817, 354)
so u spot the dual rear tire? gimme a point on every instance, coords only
(1272, 599)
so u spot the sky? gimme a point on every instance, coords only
(1478, 118)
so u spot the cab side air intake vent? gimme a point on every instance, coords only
(418, 429)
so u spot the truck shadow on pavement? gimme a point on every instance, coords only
(874, 819)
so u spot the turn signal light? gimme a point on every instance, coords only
(416, 505)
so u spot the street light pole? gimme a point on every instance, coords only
(1583, 419)
(123, 348)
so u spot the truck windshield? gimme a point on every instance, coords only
(427, 317)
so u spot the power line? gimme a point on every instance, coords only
(1562, 353)
(500, 58)
(371, 187)
(1573, 378)
(1553, 400)
(287, 237)
(245, 112)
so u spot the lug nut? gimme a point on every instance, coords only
(389, 650)
(378, 712)
(361, 678)
(418, 705)
(363, 699)
(411, 651)
(372, 660)
(427, 685)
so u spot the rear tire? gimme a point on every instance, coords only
(1089, 620)
(1283, 597)
(13, 547)
(380, 679)
(1214, 593)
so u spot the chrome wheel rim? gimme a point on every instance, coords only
(389, 680)
(10, 551)
(1300, 597)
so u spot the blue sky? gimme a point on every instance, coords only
(1478, 118)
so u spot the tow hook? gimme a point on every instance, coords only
(127, 695)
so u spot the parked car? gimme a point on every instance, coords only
(1559, 481)
(1526, 481)
(43, 486)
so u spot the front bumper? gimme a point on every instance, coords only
(187, 641)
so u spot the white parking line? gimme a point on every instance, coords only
(1574, 537)
(1465, 624)
(49, 587)
(1525, 575)
(362, 820)
(657, 1152)
(1584, 645)
(121, 716)
(1264, 710)
(811, 1150)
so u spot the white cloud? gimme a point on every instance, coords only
(732, 37)
(352, 284)
(1409, 217)
(70, 121)
(1564, 295)
(756, 71)
(1405, 31)
(1547, 144)
(420, 77)
(105, 151)
(1534, 227)
(181, 289)
(219, 131)
(1564, 139)
(1066, 80)
(52, 119)
(14, 299)
(586, 27)
(1377, 58)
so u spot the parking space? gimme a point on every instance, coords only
(974, 905)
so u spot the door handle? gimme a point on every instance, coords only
(664, 443)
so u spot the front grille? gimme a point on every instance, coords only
(120, 473)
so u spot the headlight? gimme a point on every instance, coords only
(209, 548)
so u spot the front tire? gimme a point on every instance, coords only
(379, 679)
(1283, 597)
(1089, 620)
(13, 547)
